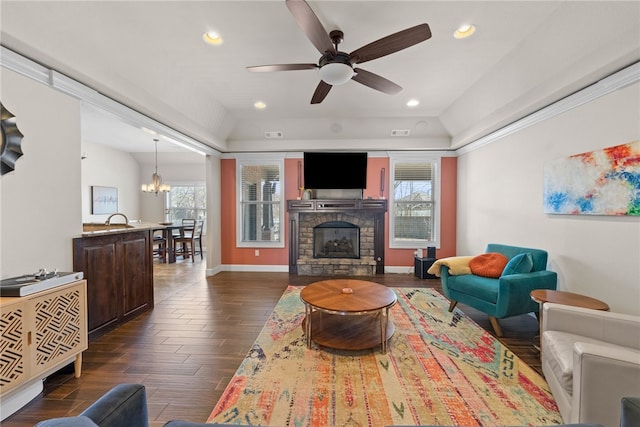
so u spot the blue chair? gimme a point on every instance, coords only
(505, 296)
(125, 405)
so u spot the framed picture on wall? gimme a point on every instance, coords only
(104, 200)
(599, 182)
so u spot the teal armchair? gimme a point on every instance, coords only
(503, 297)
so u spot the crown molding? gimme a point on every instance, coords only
(28, 68)
(21, 65)
(607, 85)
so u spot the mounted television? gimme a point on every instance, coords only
(324, 170)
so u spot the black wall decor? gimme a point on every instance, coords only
(10, 149)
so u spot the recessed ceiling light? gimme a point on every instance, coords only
(413, 103)
(260, 105)
(213, 38)
(464, 31)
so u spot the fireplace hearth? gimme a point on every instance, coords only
(336, 237)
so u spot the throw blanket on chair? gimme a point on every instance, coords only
(457, 265)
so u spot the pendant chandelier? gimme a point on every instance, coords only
(156, 185)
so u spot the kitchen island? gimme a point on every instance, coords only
(117, 262)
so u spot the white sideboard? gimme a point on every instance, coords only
(39, 334)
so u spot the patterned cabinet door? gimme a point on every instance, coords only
(14, 366)
(60, 326)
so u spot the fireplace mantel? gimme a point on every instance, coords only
(336, 205)
(372, 209)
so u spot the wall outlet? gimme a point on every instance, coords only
(257, 252)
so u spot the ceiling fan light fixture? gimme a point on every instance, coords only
(464, 31)
(336, 73)
(336, 69)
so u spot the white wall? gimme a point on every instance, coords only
(40, 209)
(212, 239)
(500, 200)
(152, 207)
(107, 167)
(179, 173)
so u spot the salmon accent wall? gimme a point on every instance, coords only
(232, 255)
(227, 209)
(404, 257)
(449, 208)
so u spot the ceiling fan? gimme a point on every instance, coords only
(337, 67)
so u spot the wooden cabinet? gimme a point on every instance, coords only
(15, 368)
(119, 272)
(41, 333)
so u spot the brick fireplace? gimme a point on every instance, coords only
(353, 224)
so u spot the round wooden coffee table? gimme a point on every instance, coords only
(348, 314)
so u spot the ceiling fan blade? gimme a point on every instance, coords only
(391, 44)
(375, 81)
(311, 25)
(321, 92)
(282, 67)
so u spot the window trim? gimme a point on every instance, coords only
(415, 157)
(260, 159)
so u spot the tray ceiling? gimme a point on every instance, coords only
(149, 55)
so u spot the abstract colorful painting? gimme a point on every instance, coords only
(601, 182)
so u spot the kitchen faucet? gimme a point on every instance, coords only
(108, 221)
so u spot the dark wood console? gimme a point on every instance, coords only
(119, 272)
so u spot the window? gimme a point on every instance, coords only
(260, 210)
(413, 206)
(187, 201)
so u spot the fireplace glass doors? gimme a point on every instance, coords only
(336, 239)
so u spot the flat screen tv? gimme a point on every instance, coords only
(324, 170)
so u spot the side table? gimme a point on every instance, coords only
(567, 298)
(421, 265)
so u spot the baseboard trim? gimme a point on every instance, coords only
(255, 268)
(20, 397)
(400, 269)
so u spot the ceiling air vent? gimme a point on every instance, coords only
(400, 132)
(273, 135)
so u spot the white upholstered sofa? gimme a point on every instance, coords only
(591, 360)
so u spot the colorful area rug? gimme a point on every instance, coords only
(441, 368)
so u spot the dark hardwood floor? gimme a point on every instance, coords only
(186, 350)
